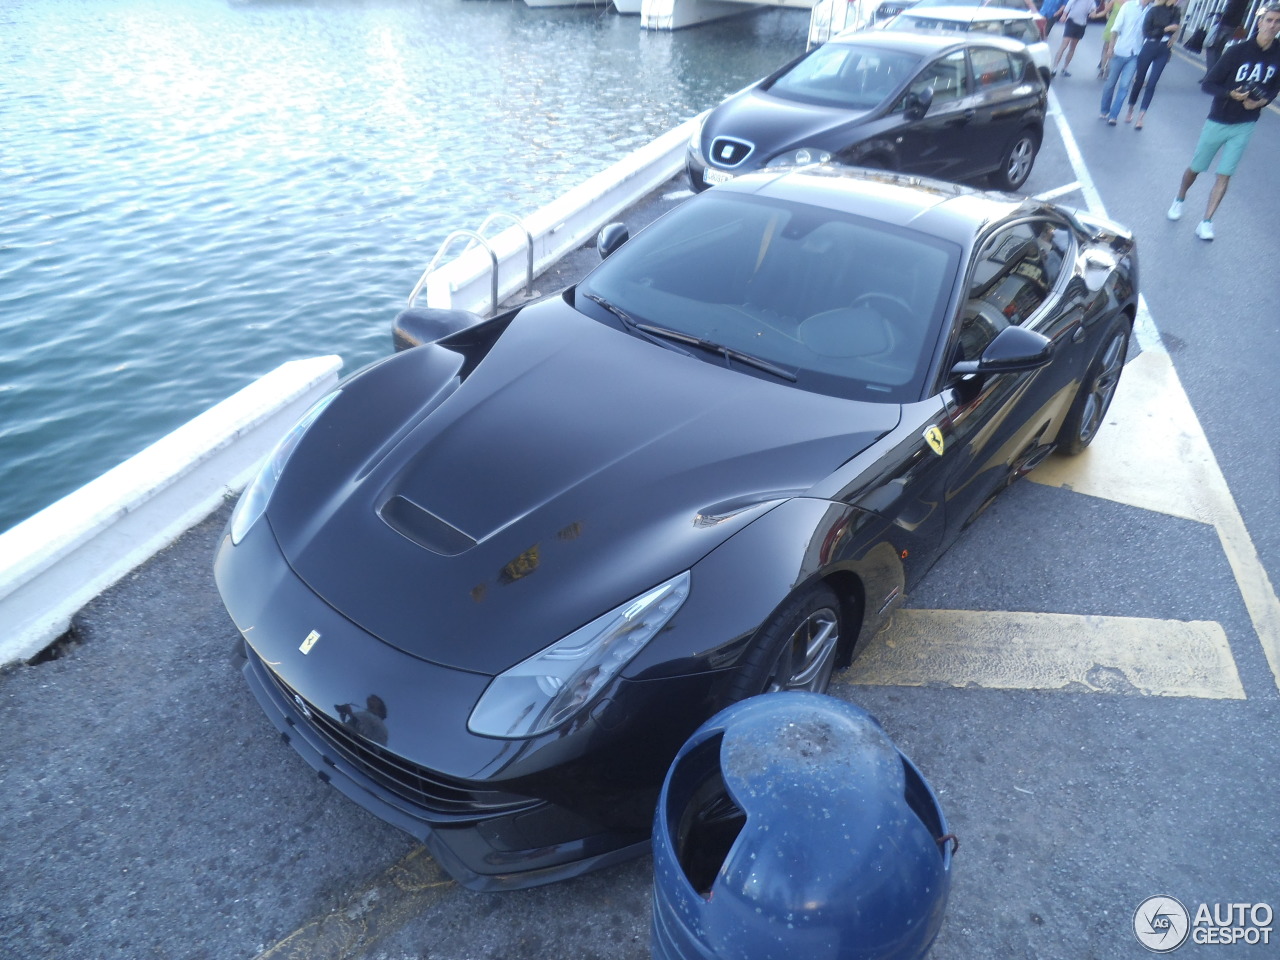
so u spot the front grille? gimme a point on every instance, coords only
(420, 786)
(728, 152)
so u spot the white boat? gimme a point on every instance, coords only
(628, 6)
(565, 3)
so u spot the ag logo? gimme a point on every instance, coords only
(933, 436)
(1161, 924)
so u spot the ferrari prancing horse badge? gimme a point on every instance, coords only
(933, 436)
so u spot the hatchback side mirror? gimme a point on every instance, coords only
(610, 238)
(1013, 350)
(917, 103)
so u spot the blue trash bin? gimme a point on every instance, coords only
(790, 826)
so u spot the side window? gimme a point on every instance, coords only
(946, 76)
(1012, 276)
(991, 67)
(1023, 30)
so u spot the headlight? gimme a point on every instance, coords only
(550, 687)
(254, 499)
(799, 158)
(695, 138)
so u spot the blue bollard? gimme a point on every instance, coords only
(789, 825)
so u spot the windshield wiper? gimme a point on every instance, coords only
(729, 353)
(632, 323)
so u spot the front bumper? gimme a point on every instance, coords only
(703, 175)
(389, 731)
(493, 852)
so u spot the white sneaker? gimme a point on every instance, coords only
(1205, 230)
(1175, 210)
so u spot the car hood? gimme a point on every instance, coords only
(471, 513)
(773, 124)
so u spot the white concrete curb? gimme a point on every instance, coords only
(58, 560)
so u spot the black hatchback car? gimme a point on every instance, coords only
(947, 107)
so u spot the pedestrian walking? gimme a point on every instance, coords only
(1224, 31)
(1109, 38)
(1243, 81)
(1075, 17)
(1050, 10)
(1158, 30)
(1124, 59)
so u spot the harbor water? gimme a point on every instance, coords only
(195, 191)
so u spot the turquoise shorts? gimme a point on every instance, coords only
(1230, 138)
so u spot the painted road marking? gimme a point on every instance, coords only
(1207, 497)
(1061, 191)
(1051, 651)
(404, 891)
(1151, 454)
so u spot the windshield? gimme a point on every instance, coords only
(915, 23)
(851, 307)
(845, 75)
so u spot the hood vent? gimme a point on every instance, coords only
(424, 528)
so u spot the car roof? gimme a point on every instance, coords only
(968, 14)
(924, 44)
(947, 210)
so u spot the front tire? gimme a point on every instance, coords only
(1096, 391)
(1019, 157)
(797, 646)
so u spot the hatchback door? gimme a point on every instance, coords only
(943, 141)
(1003, 99)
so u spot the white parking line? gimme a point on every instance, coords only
(1059, 191)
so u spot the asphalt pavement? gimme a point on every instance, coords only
(1128, 750)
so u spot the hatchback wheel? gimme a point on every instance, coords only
(1019, 158)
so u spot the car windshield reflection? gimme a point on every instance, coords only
(845, 75)
(851, 306)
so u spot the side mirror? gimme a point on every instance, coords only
(1014, 349)
(917, 103)
(610, 238)
(421, 325)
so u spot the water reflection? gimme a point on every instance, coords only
(193, 191)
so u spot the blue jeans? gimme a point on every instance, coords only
(1151, 62)
(1117, 85)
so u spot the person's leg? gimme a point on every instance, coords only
(1211, 55)
(1071, 52)
(1216, 194)
(1108, 93)
(1234, 138)
(1158, 64)
(1068, 43)
(1139, 78)
(1122, 71)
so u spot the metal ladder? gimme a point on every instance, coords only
(480, 237)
